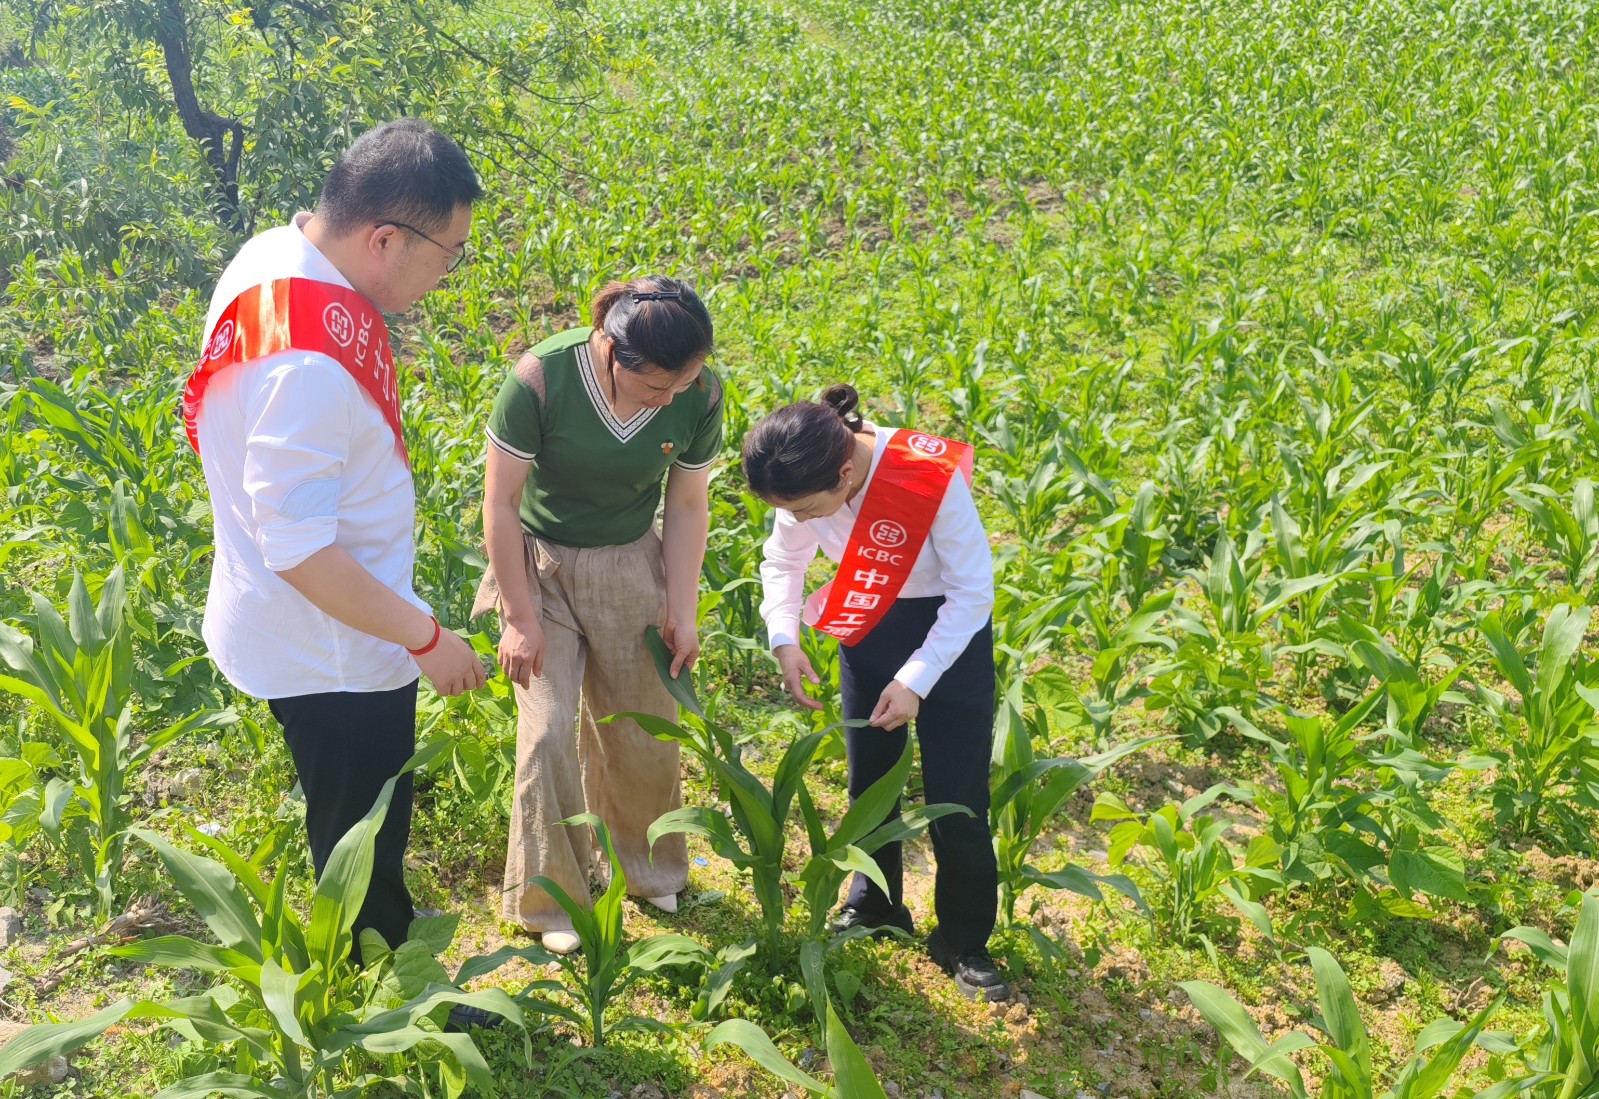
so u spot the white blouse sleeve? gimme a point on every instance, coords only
(967, 570)
(789, 550)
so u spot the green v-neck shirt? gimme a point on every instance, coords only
(595, 480)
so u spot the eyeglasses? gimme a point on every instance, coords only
(457, 256)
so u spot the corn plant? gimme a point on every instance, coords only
(1547, 750)
(1115, 641)
(78, 671)
(1343, 1040)
(1571, 531)
(751, 832)
(1193, 863)
(1028, 793)
(1412, 696)
(289, 1015)
(609, 966)
(853, 1077)
(1564, 1062)
(1346, 816)
(849, 848)
(1226, 655)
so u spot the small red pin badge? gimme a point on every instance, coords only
(666, 448)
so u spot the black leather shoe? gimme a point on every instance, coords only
(463, 1017)
(850, 917)
(974, 972)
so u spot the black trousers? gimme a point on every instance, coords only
(346, 745)
(955, 730)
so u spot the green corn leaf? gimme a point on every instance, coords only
(852, 858)
(1086, 883)
(754, 1042)
(1426, 1077)
(341, 890)
(213, 891)
(1551, 953)
(481, 964)
(791, 770)
(1582, 980)
(852, 1073)
(1253, 911)
(232, 1084)
(681, 688)
(909, 824)
(180, 952)
(871, 809)
(82, 622)
(243, 873)
(1341, 1014)
(279, 991)
(664, 951)
(698, 821)
(55, 645)
(204, 1018)
(43, 1041)
(1561, 637)
(1235, 1026)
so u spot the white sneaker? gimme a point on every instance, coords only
(668, 903)
(559, 942)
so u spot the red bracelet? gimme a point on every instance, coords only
(438, 632)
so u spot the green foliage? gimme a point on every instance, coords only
(79, 672)
(1548, 747)
(1344, 1041)
(752, 832)
(609, 965)
(1195, 865)
(1563, 1061)
(1027, 799)
(289, 1014)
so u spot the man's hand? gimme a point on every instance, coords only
(452, 667)
(895, 706)
(522, 653)
(797, 671)
(683, 642)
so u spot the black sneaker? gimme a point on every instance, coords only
(850, 917)
(974, 972)
(463, 1017)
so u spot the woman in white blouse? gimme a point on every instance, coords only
(914, 630)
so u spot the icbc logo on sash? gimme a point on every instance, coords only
(895, 519)
(887, 533)
(221, 340)
(339, 323)
(302, 315)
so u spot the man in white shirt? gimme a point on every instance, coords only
(311, 605)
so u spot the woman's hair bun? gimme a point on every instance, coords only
(842, 398)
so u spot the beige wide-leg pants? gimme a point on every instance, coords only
(594, 604)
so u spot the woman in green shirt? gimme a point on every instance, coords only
(582, 433)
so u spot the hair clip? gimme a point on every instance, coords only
(658, 295)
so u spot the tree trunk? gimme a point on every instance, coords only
(221, 139)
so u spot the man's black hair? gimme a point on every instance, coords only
(403, 171)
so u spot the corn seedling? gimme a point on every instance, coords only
(79, 672)
(1343, 1040)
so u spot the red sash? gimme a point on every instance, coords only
(894, 521)
(306, 315)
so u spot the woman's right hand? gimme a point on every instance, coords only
(522, 652)
(797, 671)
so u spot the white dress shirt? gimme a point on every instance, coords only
(955, 562)
(297, 457)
